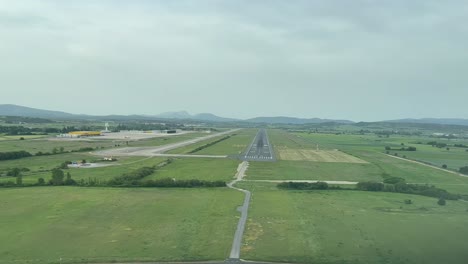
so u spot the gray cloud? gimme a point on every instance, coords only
(363, 60)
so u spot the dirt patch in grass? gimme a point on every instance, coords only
(317, 155)
(255, 230)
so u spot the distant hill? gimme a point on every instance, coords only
(440, 121)
(294, 120)
(174, 115)
(187, 116)
(213, 118)
(16, 110)
(22, 111)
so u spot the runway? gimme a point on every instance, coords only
(260, 149)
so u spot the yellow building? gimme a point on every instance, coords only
(85, 133)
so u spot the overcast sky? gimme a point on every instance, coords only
(358, 59)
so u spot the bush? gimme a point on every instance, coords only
(441, 202)
(389, 188)
(303, 185)
(171, 183)
(394, 180)
(370, 186)
(131, 178)
(464, 170)
(57, 177)
(408, 201)
(444, 166)
(402, 187)
(40, 181)
(64, 165)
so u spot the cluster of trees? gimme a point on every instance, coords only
(387, 133)
(62, 150)
(391, 184)
(445, 145)
(59, 178)
(15, 172)
(172, 183)
(388, 148)
(402, 187)
(21, 119)
(11, 155)
(211, 144)
(132, 178)
(303, 185)
(135, 179)
(464, 170)
(21, 130)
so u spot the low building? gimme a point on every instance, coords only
(85, 133)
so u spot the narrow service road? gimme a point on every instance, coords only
(237, 242)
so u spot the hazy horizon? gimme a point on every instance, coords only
(356, 60)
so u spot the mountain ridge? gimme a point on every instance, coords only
(16, 110)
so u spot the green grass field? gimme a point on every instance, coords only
(42, 225)
(370, 150)
(35, 144)
(353, 227)
(307, 170)
(454, 158)
(25, 137)
(40, 167)
(198, 168)
(235, 145)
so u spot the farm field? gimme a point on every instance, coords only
(307, 170)
(112, 224)
(352, 227)
(454, 158)
(378, 167)
(198, 168)
(317, 155)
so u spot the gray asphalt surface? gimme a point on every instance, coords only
(237, 241)
(154, 151)
(260, 149)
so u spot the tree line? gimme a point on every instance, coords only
(210, 144)
(394, 184)
(388, 148)
(402, 187)
(11, 155)
(130, 179)
(303, 185)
